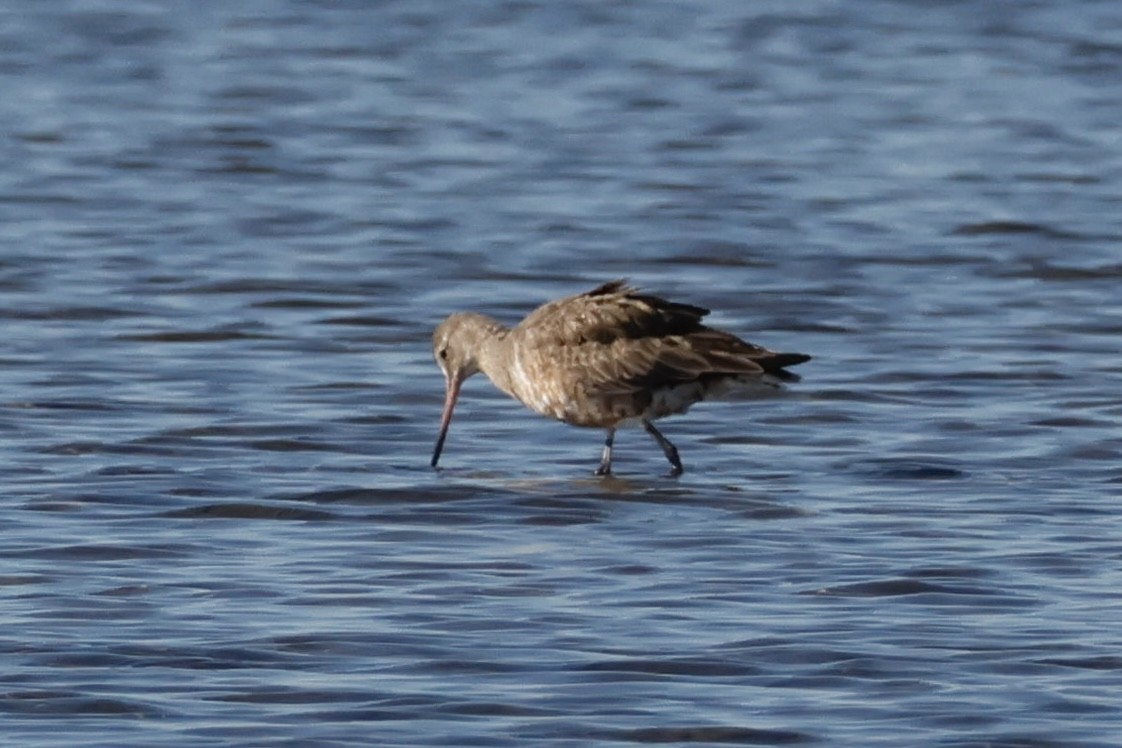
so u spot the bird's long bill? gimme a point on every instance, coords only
(451, 392)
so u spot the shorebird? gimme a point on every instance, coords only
(607, 358)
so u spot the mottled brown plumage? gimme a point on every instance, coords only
(605, 358)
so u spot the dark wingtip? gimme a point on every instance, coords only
(777, 364)
(783, 360)
(615, 286)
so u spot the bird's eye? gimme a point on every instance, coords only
(443, 354)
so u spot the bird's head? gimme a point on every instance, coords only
(456, 343)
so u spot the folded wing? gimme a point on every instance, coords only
(626, 341)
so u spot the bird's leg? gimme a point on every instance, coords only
(606, 457)
(668, 449)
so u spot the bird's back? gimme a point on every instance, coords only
(613, 354)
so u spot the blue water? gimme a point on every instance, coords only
(227, 230)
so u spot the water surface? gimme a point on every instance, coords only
(226, 232)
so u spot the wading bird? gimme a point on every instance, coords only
(607, 358)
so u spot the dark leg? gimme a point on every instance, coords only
(668, 449)
(606, 458)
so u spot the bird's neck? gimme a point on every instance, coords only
(492, 350)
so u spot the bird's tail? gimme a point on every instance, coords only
(776, 365)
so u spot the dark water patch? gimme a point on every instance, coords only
(84, 660)
(870, 396)
(217, 441)
(496, 709)
(134, 470)
(19, 580)
(1077, 707)
(630, 490)
(1070, 564)
(1011, 228)
(217, 658)
(947, 257)
(1016, 739)
(295, 696)
(1107, 405)
(232, 165)
(94, 552)
(374, 418)
(1106, 450)
(764, 512)
(274, 94)
(352, 644)
(355, 715)
(113, 29)
(154, 447)
(749, 440)
(128, 590)
(362, 496)
(1084, 329)
(48, 704)
(1068, 422)
(784, 651)
(289, 223)
(304, 302)
(456, 666)
(220, 136)
(69, 313)
(903, 469)
(882, 670)
(39, 198)
(1097, 56)
(39, 505)
(706, 735)
(628, 570)
(1101, 662)
(551, 513)
(1056, 178)
(77, 448)
(825, 417)
(290, 445)
(76, 379)
(899, 588)
(1004, 375)
(42, 137)
(64, 404)
(716, 254)
(233, 431)
(422, 225)
(362, 290)
(733, 499)
(826, 328)
(249, 511)
(1050, 271)
(368, 320)
(685, 667)
(949, 572)
(220, 335)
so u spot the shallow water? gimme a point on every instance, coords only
(227, 232)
